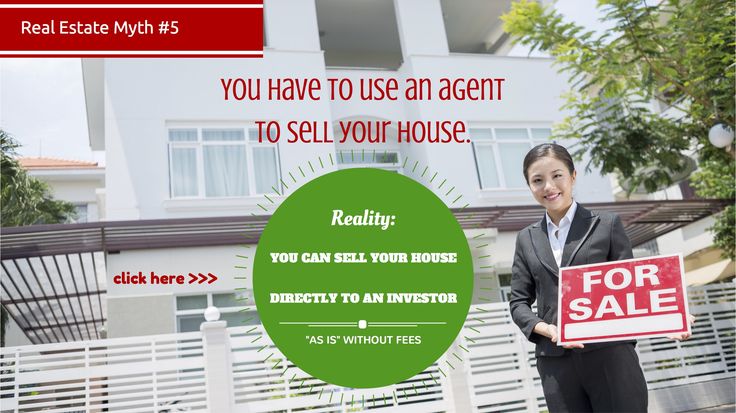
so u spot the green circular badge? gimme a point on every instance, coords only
(363, 278)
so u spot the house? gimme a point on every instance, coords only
(79, 182)
(185, 174)
(166, 125)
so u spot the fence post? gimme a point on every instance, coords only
(87, 394)
(218, 368)
(458, 383)
(525, 366)
(16, 371)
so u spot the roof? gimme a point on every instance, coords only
(643, 221)
(38, 261)
(41, 163)
(711, 272)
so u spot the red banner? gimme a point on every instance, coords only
(132, 30)
(622, 300)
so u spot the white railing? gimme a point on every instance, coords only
(491, 368)
(153, 373)
(276, 385)
(708, 355)
(502, 372)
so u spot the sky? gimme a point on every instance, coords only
(42, 100)
(42, 107)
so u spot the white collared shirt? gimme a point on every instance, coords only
(558, 234)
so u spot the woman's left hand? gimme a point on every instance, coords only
(683, 336)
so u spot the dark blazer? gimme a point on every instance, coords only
(593, 237)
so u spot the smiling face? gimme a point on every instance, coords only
(551, 184)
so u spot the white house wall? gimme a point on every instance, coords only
(140, 315)
(291, 25)
(121, 199)
(421, 27)
(76, 186)
(149, 309)
(143, 96)
(14, 335)
(503, 251)
(219, 261)
(688, 239)
(146, 94)
(75, 192)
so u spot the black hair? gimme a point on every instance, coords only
(547, 149)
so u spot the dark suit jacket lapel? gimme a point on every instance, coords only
(582, 226)
(540, 244)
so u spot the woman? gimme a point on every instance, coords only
(576, 377)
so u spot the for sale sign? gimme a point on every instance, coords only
(621, 300)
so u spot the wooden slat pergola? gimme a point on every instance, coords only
(53, 276)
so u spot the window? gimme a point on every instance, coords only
(212, 162)
(499, 154)
(649, 248)
(504, 283)
(388, 159)
(81, 214)
(190, 310)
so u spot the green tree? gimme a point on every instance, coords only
(24, 200)
(676, 54)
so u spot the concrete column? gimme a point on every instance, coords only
(458, 379)
(421, 27)
(291, 25)
(527, 372)
(218, 367)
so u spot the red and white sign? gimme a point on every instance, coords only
(622, 300)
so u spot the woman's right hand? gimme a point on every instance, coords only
(550, 331)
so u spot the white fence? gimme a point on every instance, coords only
(490, 368)
(502, 374)
(263, 388)
(131, 374)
